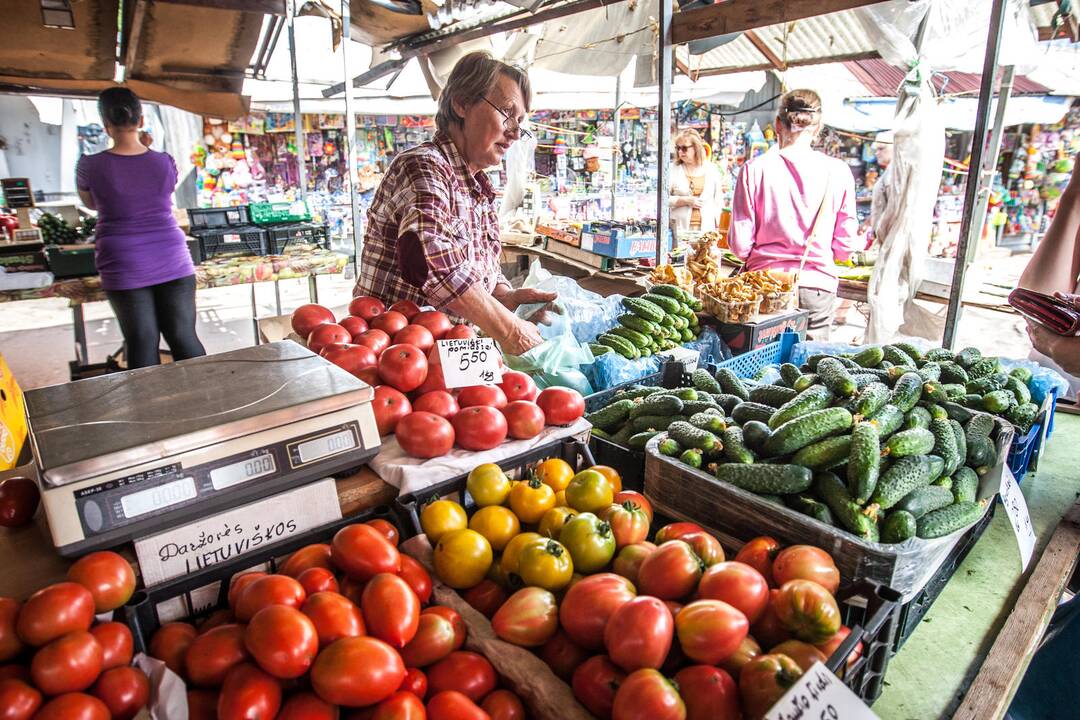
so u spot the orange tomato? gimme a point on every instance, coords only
(611, 475)
(555, 472)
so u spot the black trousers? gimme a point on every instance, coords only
(146, 314)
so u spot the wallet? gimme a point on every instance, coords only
(1052, 313)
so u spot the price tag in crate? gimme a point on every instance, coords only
(819, 695)
(469, 361)
(1012, 497)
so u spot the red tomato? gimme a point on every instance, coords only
(282, 640)
(390, 406)
(117, 645)
(709, 693)
(806, 562)
(518, 386)
(355, 325)
(170, 645)
(377, 340)
(562, 655)
(710, 630)
(637, 499)
(589, 604)
(425, 435)
(808, 610)
(391, 609)
(202, 704)
(18, 701)
(628, 524)
(315, 580)
(804, 654)
(55, 611)
(464, 671)
(10, 644)
(416, 335)
(833, 644)
(435, 379)
(366, 307)
(595, 683)
(528, 618)
(362, 552)
(748, 650)
(435, 638)
(504, 705)
(334, 617)
(332, 347)
(675, 531)
(452, 705)
(316, 555)
(524, 419)
(213, 654)
(19, 499)
(124, 690)
(74, 706)
(485, 597)
(670, 572)
(455, 622)
(561, 405)
(763, 681)
(639, 634)
(307, 317)
(369, 375)
(15, 671)
(401, 705)
(491, 395)
(390, 322)
(436, 322)
(628, 561)
(248, 693)
(407, 308)
(327, 334)
(459, 332)
(737, 584)
(357, 671)
(267, 591)
(438, 402)
(107, 576)
(307, 706)
(769, 630)
(415, 682)
(240, 582)
(759, 554)
(479, 428)
(67, 664)
(388, 530)
(417, 577)
(705, 546)
(352, 358)
(647, 695)
(403, 367)
(218, 617)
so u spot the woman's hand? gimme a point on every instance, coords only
(526, 296)
(1065, 351)
(521, 336)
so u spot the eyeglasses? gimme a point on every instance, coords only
(683, 148)
(510, 123)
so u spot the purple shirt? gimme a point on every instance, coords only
(138, 241)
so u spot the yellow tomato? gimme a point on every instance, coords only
(546, 564)
(611, 475)
(488, 485)
(462, 558)
(497, 524)
(531, 499)
(553, 520)
(512, 551)
(442, 516)
(555, 472)
(589, 491)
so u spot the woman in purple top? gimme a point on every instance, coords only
(142, 256)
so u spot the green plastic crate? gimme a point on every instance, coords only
(279, 212)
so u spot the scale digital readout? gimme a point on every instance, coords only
(127, 455)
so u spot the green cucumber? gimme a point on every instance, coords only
(888, 419)
(824, 453)
(869, 357)
(731, 383)
(832, 490)
(945, 444)
(907, 391)
(917, 417)
(598, 349)
(727, 401)
(702, 380)
(930, 372)
(711, 421)
(944, 481)
(810, 506)
(699, 406)
(640, 340)
(1018, 389)
(937, 466)
(790, 373)
(954, 391)
(939, 355)
(691, 457)
(620, 345)
(910, 350)
(934, 392)
(903, 476)
(917, 441)
(898, 526)
(686, 394)
(871, 399)
(968, 357)
(1021, 373)
(984, 367)
(836, 377)
(596, 432)
(896, 356)
(744, 412)
(658, 404)
(965, 485)
(623, 436)
(997, 401)
(735, 449)
(922, 500)
(669, 447)
(864, 462)
(961, 442)
(612, 416)
(802, 431)
(981, 453)
(692, 437)
(768, 479)
(644, 309)
(672, 291)
(1022, 416)
(772, 395)
(817, 397)
(668, 304)
(639, 391)
(949, 519)
(754, 434)
(638, 324)
(980, 424)
(642, 423)
(951, 372)
(638, 441)
(804, 381)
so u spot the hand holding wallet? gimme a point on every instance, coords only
(1056, 315)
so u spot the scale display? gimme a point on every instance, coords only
(157, 498)
(325, 446)
(243, 471)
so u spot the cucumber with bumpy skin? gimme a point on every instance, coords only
(612, 416)
(920, 501)
(961, 441)
(1018, 389)
(766, 479)
(669, 447)
(968, 357)
(638, 324)
(864, 462)
(917, 417)
(871, 399)
(1023, 416)
(790, 373)
(744, 412)
(699, 406)
(802, 431)
(638, 441)
(897, 356)
(772, 395)
(930, 372)
(810, 506)
(910, 350)
(658, 404)
(727, 401)
(965, 486)
(832, 490)
(836, 377)
(869, 357)
(713, 422)
(668, 304)
(939, 355)
(905, 475)
(917, 441)
(754, 434)
(824, 453)
(692, 437)
(947, 520)
(907, 391)
(981, 453)
(735, 449)
(644, 309)
(888, 419)
(642, 423)
(813, 398)
(951, 372)
(598, 349)
(805, 381)
(731, 383)
(702, 380)
(945, 444)
(691, 457)
(1021, 373)
(898, 526)
(997, 401)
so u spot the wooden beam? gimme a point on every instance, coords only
(684, 68)
(709, 72)
(134, 34)
(999, 677)
(738, 15)
(764, 49)
(264, 7)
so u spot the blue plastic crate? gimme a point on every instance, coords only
(747, 364)
(1025, 450)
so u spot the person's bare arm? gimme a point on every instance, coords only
(513, 334)
(1056, 263)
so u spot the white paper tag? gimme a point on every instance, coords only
(1012, 497)
(819, 695)
(231, 238)
(469, 361)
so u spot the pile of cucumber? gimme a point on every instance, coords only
(870, 442)
(657, 321)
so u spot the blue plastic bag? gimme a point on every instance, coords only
(611, 369)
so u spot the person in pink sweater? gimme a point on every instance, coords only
(794, 211)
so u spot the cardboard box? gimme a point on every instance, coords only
(12, 418)
(744, 337)
(614, 242)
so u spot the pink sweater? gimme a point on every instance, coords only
(776, 198)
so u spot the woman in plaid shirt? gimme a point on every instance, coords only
(433, 230)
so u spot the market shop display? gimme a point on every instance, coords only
(657, 321)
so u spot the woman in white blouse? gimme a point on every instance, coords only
(696, 196)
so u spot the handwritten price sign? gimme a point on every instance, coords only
(1012, 497)
(819, 695)
(469, 361)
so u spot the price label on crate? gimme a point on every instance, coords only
(819, 695)
(469, 361)
(1012, 497)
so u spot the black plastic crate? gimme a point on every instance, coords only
(70, 261)
(871, 611)
(141, 612)
(246, 240)
(280, 238)
(204, 218)
(913, 611)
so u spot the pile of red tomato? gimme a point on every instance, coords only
(341, 631)
(616, 615)
(394, 351)
(62, 665)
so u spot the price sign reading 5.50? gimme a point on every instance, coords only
(470, 361)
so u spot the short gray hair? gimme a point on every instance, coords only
(470, 80)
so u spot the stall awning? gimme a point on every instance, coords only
(882, 80)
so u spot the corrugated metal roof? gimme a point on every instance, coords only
(882, 80)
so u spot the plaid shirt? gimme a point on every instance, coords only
(432, 231)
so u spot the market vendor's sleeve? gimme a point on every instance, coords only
(846, 238)
(742, 228)
(433, 247)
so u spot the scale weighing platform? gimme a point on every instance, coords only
(127, 455)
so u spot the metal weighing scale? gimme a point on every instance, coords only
(132, 454)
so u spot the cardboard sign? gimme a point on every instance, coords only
(1012, 497)
(469, 361)
(819, 695)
